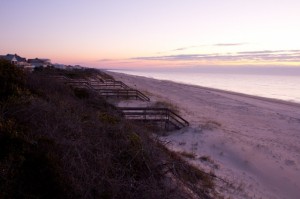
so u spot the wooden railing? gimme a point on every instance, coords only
(155, 115)
(109, 84)
(107, 88)
(122, 93)
(112, 88)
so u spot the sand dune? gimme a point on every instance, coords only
(251, 142)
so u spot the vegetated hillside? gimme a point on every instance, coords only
(57, 142)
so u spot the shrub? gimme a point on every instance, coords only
(11, 80)
(27, 169)
(165, 104)
(57, 146)
(81, 93)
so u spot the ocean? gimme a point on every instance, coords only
(270, 83)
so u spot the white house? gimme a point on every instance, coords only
(15, 59)
(39, 62)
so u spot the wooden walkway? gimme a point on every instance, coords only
(106, 88)
(110, 88)
(163, 116)
(123, 93)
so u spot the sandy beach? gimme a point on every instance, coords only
(252, 143)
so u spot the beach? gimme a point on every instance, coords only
(251, 142)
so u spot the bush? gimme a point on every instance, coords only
(11, 80)
(58, 146)
(28, 166)
(81, 93)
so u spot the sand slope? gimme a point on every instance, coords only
(251, 142)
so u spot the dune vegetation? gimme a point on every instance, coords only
(61, 142)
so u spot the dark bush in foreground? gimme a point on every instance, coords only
(11, 80)
(57, 143)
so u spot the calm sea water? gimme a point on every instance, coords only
(278, 86)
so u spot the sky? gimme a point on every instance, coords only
(153, 33)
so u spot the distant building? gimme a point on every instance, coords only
(67, 67)
(39, 62)
(78, 67)
(60, 66)
(15, 59)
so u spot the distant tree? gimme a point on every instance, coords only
(11, 80)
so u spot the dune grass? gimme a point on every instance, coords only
(57, 142)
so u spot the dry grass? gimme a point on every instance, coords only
(195, 179)
(58, 143)
(165, 104)
(188, 154)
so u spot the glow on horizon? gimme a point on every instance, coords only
(169, 33)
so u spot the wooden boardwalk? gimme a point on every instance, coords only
(123, 93)
(162, 116)
(110, 88)
(106, 88)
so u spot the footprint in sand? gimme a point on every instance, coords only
(289, 162)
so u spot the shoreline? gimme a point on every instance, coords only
(267, 99)
(250, 141)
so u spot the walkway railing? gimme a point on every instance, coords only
(107, 88)
(109, 84)
(155, 115)
(122, 93)
(112, 88)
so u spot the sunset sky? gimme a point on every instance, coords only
(153, 33)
